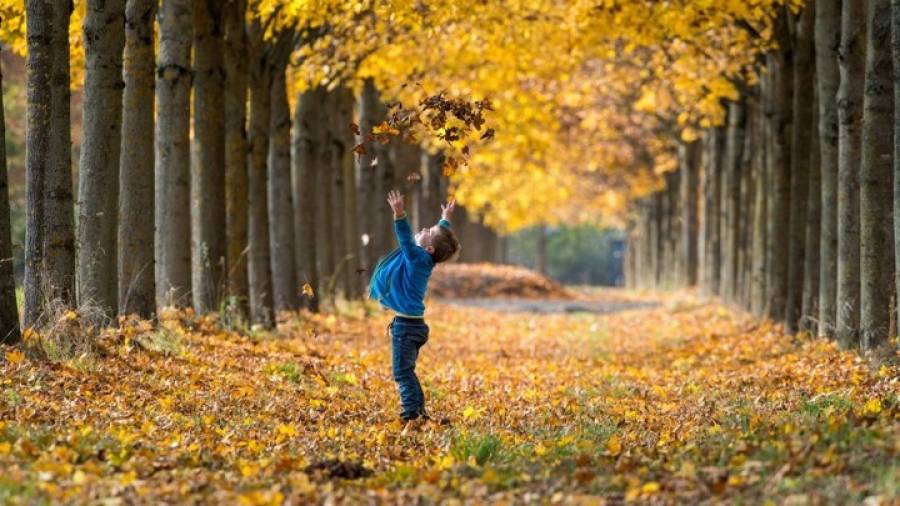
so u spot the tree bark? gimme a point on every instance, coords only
(689, 155)
(208, 174)
(173, 162)
(137, 289)
(761, 202)
(731, 198)
(895, 43)
(9, 313)
(804, 74)
(37, 140)
(338, 229)
(849, 103)
(542, 249)
(371, 111)
(98, 181)
(746, 201)
(259, 262)
(281, 222)
(782, 63)
(347, 165)
(307, 170)
(828, 39)
(810, 309)
(876, 237)
(236, 203)
(712, 177)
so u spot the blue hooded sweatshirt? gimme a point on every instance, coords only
(401, 277)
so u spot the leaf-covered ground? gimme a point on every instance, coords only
(685, 402)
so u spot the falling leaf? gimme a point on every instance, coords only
(413, 177)
(385, 128)
(307, 290)
(354, 128)
(488, 134)
(374, 162)
(360, 149)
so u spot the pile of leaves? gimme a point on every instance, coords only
(492, 280)
(681, 403)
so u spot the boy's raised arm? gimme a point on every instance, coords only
(401, 224)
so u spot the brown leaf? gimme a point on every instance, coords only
(359, 149)
(354, 128)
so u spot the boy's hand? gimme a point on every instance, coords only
(395, 199)
(447, 209)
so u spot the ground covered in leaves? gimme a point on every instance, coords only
(682, 402)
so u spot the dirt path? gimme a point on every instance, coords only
(550, 306)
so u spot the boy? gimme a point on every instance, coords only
(399, 283)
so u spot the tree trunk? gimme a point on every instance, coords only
(779, 249)
(895, 25)
(9, 313)
(98, 174)
(383, 240)
(876, 237)
(137, 289)
(338, 230)
(281, 222)
(325, 236)
(810, 310)
(761, 201)
(804, 74)
(352, 243)
(746, 202)
(828, 39)
(712, 177)
(371, 112)
(731, 198)
(541, 249)
(259, 267)
(307, 170)
(236, 203)
(208, 174)
(173, 161)
(37, 145)
(689, 154)
(849, 103)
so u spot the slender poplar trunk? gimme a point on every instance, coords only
(804, 75)
(810, 310)
(782, 62)
(137, 289)
(828, 39)
(37, 148)
(761, 202)
(236, 203)
(208, 174)
(852, 66)
(876, 238)
(281, 222)
(542, 249)
(307, 163)
(98, 173)
(173, 160)
(689, 156)
(344, 116)
(731, 195)
(259, 265)
(370, 113)
(9, 313)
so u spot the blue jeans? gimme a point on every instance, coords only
(407, 336)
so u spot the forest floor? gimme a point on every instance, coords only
(664, 400)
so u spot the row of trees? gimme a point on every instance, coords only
(788, 209)
(197, 185)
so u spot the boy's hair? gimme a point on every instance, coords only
(446, 245)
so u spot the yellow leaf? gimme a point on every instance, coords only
(14, 356)
(471, 413)
(650, 488)
(872, 407)
(614, 445)
(308, 290)
(540, 450)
